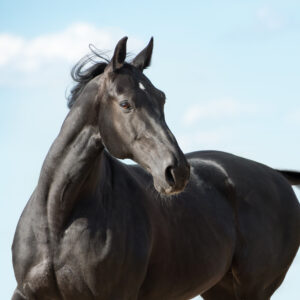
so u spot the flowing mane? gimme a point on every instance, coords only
(84, 70)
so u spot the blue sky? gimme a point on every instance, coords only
(230, 70)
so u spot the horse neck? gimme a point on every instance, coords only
(72, 158)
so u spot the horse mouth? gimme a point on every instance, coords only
(170, 190)
(174, 191)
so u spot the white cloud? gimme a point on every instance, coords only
(216, 109)
(269, 18)
(67, 46)
(9, 47)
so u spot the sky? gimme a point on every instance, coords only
(229, 69)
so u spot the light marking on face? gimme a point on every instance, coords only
(141, 86)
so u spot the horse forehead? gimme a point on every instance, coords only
(125, 82)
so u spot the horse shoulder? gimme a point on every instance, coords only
(31, 257)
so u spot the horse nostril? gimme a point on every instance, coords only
(170, 176)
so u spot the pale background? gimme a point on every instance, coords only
(230, 70)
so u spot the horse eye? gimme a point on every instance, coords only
(125, 104)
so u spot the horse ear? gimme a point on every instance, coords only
(143, 59)
(119, 56)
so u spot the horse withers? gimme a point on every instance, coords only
(172, 227)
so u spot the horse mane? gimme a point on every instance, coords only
(87, 68)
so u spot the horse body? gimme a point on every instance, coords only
(95, 228)
(234, 229)
(150, 247)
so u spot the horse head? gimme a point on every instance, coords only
(131, 120)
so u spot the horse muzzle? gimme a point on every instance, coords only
(173, 178)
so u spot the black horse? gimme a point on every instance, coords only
(207, 223)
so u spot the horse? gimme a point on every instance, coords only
(173, 226)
